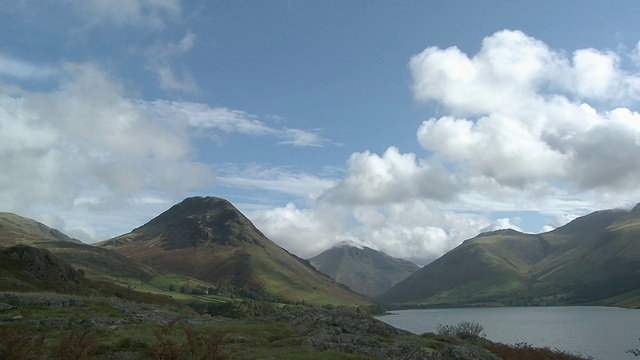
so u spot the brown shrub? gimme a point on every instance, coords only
(18, 344)
(78, 344)
(208, 346)
(523, 351)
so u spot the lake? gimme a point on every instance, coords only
(605, 333)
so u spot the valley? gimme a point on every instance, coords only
(202, 272)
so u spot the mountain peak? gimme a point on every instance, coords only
(349, 244)
(508, 231)
(198, 220)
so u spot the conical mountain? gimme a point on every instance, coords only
(209, 239)
(593, 259)
(363, 269)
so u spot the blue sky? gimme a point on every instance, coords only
(405, 126)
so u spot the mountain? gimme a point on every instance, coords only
(16, 229)
(593, 259)
(363, 269)
(95, 262)
(209, 239)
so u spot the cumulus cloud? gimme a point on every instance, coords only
(86, 134)
(304, 232)
(414, 230)
(87, 145)
(528, 128)
(501, 224)
(526, 113)
(392, 177)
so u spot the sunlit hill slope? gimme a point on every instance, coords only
(594, 259)
(209, 239)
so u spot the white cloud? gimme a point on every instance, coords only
(501, 224)
(86, 146)
(529, 121)
(297, 137)
(394, 177)
(19, 69)
(498, 147)
(87, 135)
(137, 13)
(414, 230)
(529, 129)
(161, 58)
(559, 221)
(273, 179)
(213, 121)
(304, 232)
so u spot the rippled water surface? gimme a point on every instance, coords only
(601, 332)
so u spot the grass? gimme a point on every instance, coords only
(160, 285)
(22, 338)
(286, 283)
(176, 340)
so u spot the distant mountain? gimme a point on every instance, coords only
(593, 259)
(208, 238)
(363, 269)
(15, 229)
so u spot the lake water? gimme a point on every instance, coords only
(604, 333)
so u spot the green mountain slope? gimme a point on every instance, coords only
(593, 259)
(209, 239)
(364, 270)
(34, 257)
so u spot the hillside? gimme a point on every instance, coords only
(593, 259)
(364, 270)
(15, 229)
(209, 239)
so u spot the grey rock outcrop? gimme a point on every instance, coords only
(349, 332)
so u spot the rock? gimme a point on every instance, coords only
(52, 322)
(354, 333)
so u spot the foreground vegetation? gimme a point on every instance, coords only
(54, 326)
(522, 351)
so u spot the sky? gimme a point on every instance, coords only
(404, 126)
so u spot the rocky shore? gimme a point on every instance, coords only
(348, 332)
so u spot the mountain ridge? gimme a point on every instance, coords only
(15, 228)
(581, 262)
